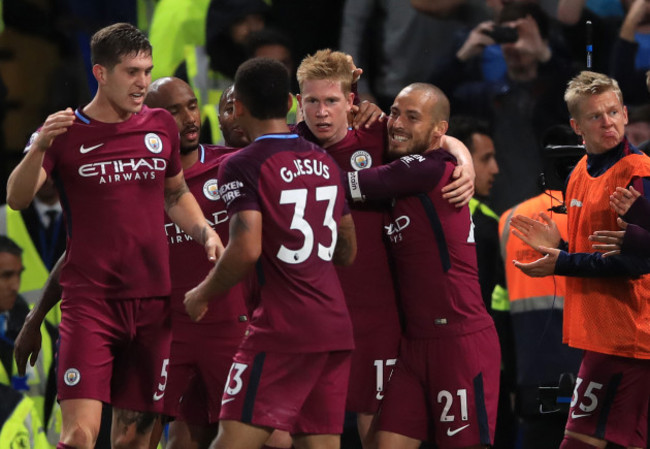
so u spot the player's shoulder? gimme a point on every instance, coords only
(155, 117)
(217, 151)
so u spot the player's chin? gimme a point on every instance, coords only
(133, 108)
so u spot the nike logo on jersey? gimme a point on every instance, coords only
(84, 150)
(225, 401)
(157, 396)
(575, 203)
(575, 415)
(451, 433)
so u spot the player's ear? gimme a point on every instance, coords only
(440, 128)
(238, 108)
(575, 126)
(99, 72)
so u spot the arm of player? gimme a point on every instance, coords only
(408, 175)
(461, 190)
(29, 175)
(632, 206)
(182, 208)
(632, 239)
(610, 241)
(28, 343)
(346, 243)
(243, 250)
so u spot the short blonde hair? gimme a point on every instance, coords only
(588, 83)
(326, 65)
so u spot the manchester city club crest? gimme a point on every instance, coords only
(211, 189)
(360, 160)
(153, 143)
(72, 377)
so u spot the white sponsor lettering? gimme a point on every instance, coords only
(398, 225)
(176, 235)
(412, 158)
(122, 166)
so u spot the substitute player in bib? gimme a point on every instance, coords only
(288, 223)
(445, 385)
(325, 99)
(606, 310)
(201, 353)
(116, 165)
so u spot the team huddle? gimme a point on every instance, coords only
(250, 294)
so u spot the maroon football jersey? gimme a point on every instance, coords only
(188, 261)
(110, 178)
(297, 302)
(432, 243)
(368, 281)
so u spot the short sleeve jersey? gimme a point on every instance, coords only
(367, 283)
(110, 178)
(297, 302)
(187, 260)
(432, 244)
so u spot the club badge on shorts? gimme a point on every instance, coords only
(361, 160)
(72, 377)
(153, 143)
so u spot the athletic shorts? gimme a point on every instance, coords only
(373, 359)
(445, 390)
(611, 398)
(115, 351)
(298, 393)
(200, 360)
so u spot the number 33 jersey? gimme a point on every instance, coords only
(297, 301)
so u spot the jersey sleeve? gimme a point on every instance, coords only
(595, 265)
(407, 175)
(237, 186)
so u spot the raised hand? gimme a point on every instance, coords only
(609, 241)
(535, 233)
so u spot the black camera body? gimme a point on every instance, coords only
(503, 34)
(557, 399)
(559, 161)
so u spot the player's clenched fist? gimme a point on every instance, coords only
(195, 304)
(55, 125)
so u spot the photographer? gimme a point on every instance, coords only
(520, 103)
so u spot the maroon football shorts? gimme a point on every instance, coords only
(445, 390)
(610, 400)
(376, 345)
(200, 360)
(299, 393)
(115, 351)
